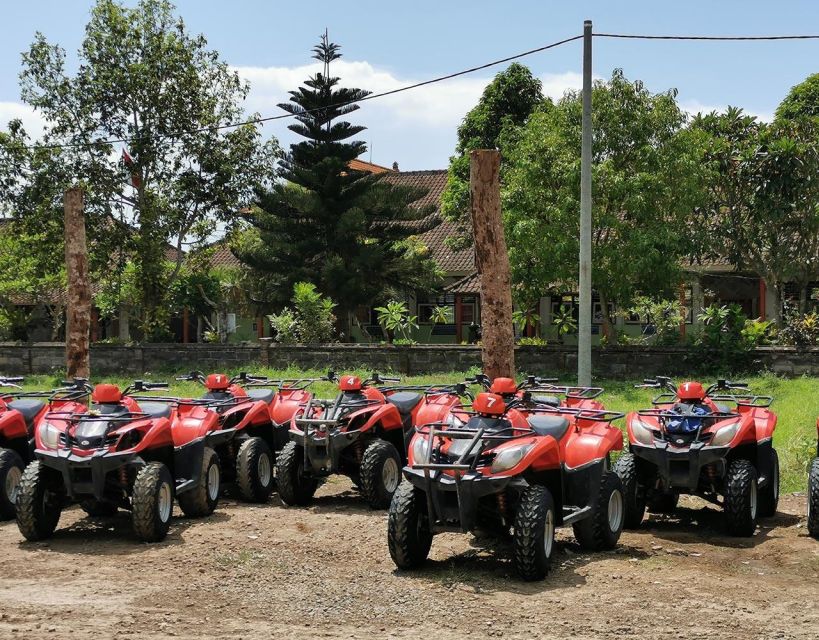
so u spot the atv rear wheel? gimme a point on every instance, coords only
(295, 487)
(39, 502)
(602, 529)
(534, 533)
(11, 470)
(634, 497)
(152, 502)
(408, 534)
(741, 498)
(380, 473)
(254, 470)
(97, 508)
(663, 502)
(769, 494)
(813, 499)
(202, 500)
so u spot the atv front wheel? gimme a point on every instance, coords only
(380, 473)
(97, 508)
(254, 470)
(408, 534)
(602, 529)
(663, 502)
(813, 499)
(741, 498)
(11, 470)
(152, 502)
(295, 487)
(769, 494)
(39, 503)
(534, 533)
(201, 501)
(634, 497)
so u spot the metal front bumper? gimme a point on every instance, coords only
(680, 468)
(86, 475)
(323, 453)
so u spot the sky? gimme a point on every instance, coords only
(391, 44)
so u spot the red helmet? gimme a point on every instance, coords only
(489, 404)
(217, 382)
(106, 394)
(349, 383)
(504, 387)
(691, 391)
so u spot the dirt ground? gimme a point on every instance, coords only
(324, 572)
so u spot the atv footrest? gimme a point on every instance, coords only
(573, 514)
(183, 485)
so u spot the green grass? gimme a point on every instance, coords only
(796, 402)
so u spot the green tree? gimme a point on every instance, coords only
(505, 105)
(647, 179)
(143, 78)
(801, 101)
(350, 233)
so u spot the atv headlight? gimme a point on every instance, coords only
(724, 436)
(642, 433)
(509, 457)
(420, 445)
(49, 435)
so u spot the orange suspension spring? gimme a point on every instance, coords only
(502, 505)
(123, 476)
(710, 471)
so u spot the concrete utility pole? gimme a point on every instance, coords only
(584, 377)
(78, 308)
(492, 260)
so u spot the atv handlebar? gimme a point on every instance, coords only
(11, 382)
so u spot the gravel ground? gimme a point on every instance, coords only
(324, 572)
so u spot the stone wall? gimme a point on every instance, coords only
(612, 362)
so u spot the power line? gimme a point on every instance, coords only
(718, 38)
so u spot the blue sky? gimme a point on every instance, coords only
(389, 44)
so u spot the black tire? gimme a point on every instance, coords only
(202, 500)
(39, 502)
(295, 488)
(634, 497)
(380, 473)
(813, 499)
(601, 530)
(663, 502)
(408, 533)
(254, 470)
(741, 498)
(534, 532)
(769, 494)
(11, 471)
(152, 502)
(98, 509)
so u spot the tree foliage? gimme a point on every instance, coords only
(801, 101)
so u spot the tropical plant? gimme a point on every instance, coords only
(310, 321)
(395, 318)
(523, 318)
(564, 322)
(661, 319)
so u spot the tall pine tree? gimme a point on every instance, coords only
(351, 233)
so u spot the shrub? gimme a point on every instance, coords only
(799, 329)
(396, 320)
(661, 320)
(311, 319)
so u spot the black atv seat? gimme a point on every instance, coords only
(554, 426)
(27, 408)
(552, 401)
(404, 401)
(261, 395)
(156, 409)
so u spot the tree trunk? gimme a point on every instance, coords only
(803, 298)
(78, 312)
(222, 324)
(776, 312)
(608, 330)
(124, 332)
(492, 260)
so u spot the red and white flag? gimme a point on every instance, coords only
(128, 161)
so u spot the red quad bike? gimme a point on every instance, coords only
(813, 492)
(714, 443)
(260, 418)
(536, 391)
(361, 434)
(122, 451)
(507, 464)
(18, 413)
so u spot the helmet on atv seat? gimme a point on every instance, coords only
(691, 392)
(489, 404)
(504, 387)
(106, 394)
(217, 382)
(349, 383)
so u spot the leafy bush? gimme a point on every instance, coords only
(532, 342)
(727, 338)
(311, 319)
(395, 319)
(661, 320)
(564, 322)
(799, 329)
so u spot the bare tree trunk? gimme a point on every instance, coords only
(776, 312)
(124, 333)
(608, 330)
(492, 260)
(78, 312)
(803, 298)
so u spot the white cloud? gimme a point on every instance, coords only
(693, 107)
(32, 121)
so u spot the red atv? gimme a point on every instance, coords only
(122, 451)
(260, 417)
(509, 463)
(361, 434)
(711, 443)
(537, 391)
(18, 414)
(813, 492)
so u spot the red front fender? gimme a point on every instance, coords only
(592, 443)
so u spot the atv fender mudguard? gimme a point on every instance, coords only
(187, 465)
(13, 425)
(592, 443)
